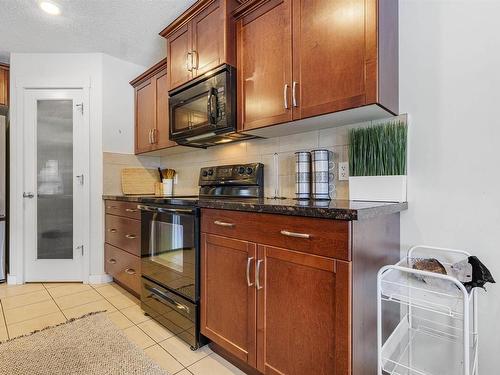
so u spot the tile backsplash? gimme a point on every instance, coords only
(188, 163)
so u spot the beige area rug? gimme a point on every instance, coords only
(91, 345)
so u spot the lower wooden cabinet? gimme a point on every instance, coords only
(293, 295)
(124, 267)
(228, 312)
(278, 310)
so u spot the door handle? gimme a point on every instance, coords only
(28, 195)
(194, 60)
(189, 57)
(294, 94)
(223, 224)
(249, 262)
(81, 179)
(294, 234)
(285, 96)
(257, 275)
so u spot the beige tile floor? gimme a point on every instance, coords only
(30, 307)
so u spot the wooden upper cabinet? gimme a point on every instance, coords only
(228, 295)
(179, 56)
(151, 109)
(303, 314)
(265, 66)
(329, 56)
(4, 84)
(162, 111)
(345, 56)
(201, 39)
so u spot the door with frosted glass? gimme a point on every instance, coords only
(55, 193)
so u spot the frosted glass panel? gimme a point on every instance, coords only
(55, 179)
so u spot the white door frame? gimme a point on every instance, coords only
(17, 241)
(55, 269)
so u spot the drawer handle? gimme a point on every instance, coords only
(257, 275)
(130, 210)
(249, 262)
(112, 261)
(112, 230)
(130, 271)
(130, 236)
(111, 207)
(294, 234)
(223, 224)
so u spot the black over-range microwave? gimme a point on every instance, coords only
(203, 111)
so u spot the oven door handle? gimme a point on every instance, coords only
(166, 210)
(159, 294)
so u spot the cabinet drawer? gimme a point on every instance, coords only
(124, 233)
(325, 237)
(127, 209)
(123, 266)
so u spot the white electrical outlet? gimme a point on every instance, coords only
(343, 171)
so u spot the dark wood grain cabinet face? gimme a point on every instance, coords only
(123, 266)
(228, 311)
(4, 84)
(151, 110)
(265, 66)
(303, 58)
(199, 40)
(279, 310)
(124, 233)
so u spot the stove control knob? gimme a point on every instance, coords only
(249, 170)
(205, 173)
(241, 170)
(210, 172)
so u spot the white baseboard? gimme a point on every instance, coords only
(12, 280)
(100, 279)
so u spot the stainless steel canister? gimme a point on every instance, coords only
(322, 176)
(303, 175)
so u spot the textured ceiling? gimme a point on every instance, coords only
(127, 29)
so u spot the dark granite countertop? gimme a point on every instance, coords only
(334, 209)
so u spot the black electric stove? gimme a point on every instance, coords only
(170, 247)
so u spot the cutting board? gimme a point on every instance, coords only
(136, 181)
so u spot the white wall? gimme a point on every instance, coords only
(110, 100)
(118, 104)
(449, 80)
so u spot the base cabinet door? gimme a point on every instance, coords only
(228, 295)
(303, 313)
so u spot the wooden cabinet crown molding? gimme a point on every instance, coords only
(155, 69)
(185, 17)
(249, 6)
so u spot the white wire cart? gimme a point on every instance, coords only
(436, 332)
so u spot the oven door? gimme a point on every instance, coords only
(170, 248)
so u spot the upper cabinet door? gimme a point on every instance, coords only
(208, 39)
(162, 132)
(329, 45)
(228, 295)
(264, 50)
(144, 115)
(180, 58)
(303, 307)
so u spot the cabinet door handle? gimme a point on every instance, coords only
(130, 210)
(112, 230)
(249, 262)
(194, 60)
(294, 234)
(294, 94)
(285, 96)
(189, 58)
(112, 261)
(130, 271)
(130, 236)
(223, 224)
(257, 275)
(150, 137)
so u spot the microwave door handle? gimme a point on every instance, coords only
(212, 106)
